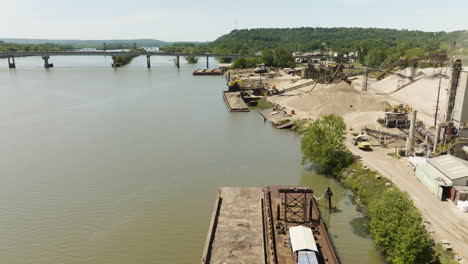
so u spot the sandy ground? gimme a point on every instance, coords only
(235, 101)
(238, 236)
(340, 99)
(361, 109)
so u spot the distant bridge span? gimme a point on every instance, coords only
(46, 55)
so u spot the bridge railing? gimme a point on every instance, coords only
(119, 53)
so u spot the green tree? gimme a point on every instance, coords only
(363, 49)
(323, 145)
(375, 57)
(191, 59)
(396, 227)
(414, 53)
(239, 63)
(283, 58)
(268, 57)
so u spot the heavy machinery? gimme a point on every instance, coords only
(401, 108)
(260, 68)
(234, 85)
(439, 58)
(396, 119)
(362, 142)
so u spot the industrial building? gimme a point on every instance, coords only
(445, 176)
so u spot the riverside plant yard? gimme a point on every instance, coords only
(399, 153)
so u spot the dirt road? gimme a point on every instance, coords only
(445, 219)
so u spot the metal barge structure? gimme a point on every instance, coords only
(270, 225)
(208, 72)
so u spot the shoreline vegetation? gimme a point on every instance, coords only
(392, 220)
(123, 60)
(191, 59)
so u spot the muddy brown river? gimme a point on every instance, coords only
(121, 166)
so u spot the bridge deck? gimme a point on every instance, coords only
(117, 53)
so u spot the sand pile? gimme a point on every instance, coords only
(420, 94)
(338, 99)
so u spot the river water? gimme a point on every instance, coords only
(122, 166)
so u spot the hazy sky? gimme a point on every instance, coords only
(205, 20)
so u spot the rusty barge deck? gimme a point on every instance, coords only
(252, 225)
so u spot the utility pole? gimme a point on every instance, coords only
(328, 195)
(437, 104)
(367, 78)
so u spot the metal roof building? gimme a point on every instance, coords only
(454, 169)
(303, 244)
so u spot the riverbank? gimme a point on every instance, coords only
(390, 232)
(361, 109)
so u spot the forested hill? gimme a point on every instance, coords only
(337, 39)
(113, 43)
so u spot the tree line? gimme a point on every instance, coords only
(374, 46)
(14, 47)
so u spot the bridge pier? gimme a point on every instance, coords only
(207, 63)
(47, 65)
(11, 63)
(178, 62)
(148, 61)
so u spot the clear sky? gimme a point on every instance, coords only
(205, 20)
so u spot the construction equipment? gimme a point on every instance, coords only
(260, 68)
(362, 142)
(401, 108)
(235, 84)
(275, 91)
(398, 120)
(440, 57)
(382, 134)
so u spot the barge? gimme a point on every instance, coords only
(234, 102)
(270, 225)
(208, 72)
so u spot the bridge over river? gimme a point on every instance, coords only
(46, 56)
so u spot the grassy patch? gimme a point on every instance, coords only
(353, 70)
(365, 183)
(284, 121)
(264, 104)
(300, 126)
(444, 256)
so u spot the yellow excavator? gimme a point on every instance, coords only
(235, 84)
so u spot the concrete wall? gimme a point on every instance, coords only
(429, 177)
(460, 110)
